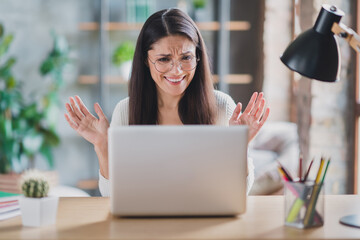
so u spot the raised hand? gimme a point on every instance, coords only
(91, 128)
(87, 125)
(254, 115)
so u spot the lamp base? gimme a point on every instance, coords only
(351, 220)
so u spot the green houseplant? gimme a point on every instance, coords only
(199, 12)
(27, 128)
(122, 58)
(197, 4)
(37, 208)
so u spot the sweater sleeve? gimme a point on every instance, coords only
(120, 117)
(226, 107)
(104, 186)
(251, 176)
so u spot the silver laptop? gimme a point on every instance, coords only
(178, 170)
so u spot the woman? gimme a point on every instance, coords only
(170, 84)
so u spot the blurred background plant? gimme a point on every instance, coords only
(199, 13)
(122, 58)
(199, 4)
(28, 127)
(124, 52)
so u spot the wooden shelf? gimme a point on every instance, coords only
(235, 78)
(229, 79)
(231, 26)
(88, 184)
(92, 79)
(205, 26)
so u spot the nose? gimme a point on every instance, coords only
(176, 67)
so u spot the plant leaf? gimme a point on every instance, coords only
(47, 66)
(32, 142)
(1, 30)
(46, 151)
(51, 137)
(5, 44)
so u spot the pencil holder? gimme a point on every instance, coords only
(304, 204)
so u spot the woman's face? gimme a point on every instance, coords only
(177, 50)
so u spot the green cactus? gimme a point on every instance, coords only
(34, 185)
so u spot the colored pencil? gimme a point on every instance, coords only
(288, 176)
(308, 170)
(327, 165)
(300, 168)
(288, 185)
(282, 174)
(318, 175)
(309, 215)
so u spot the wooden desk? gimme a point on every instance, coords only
(89, 218)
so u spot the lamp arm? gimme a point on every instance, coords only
(348, 34)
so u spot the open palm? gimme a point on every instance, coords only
(87, 125)
(254, 115)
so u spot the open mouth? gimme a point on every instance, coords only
(174, 80)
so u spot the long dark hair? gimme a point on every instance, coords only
(197, 105)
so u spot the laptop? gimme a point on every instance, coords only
(197, 170)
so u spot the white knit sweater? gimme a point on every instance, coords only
(225, 109)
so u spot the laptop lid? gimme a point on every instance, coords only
(177, 170)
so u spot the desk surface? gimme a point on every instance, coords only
(89, 218)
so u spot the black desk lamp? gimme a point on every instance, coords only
(315, 54)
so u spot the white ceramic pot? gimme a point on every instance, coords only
(125, 70)
(37, 212)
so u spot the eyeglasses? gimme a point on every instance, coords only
(166, 64)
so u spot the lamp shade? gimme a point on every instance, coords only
(315, 52)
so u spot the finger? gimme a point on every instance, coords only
(260, 110)
(72, 113)
(250, 105)
(236, 112)
(99, 111)
(264, 117)
(82, 106)
(257, 104)
(75, 108)
(71, 123)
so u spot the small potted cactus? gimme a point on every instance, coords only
(37, 208)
